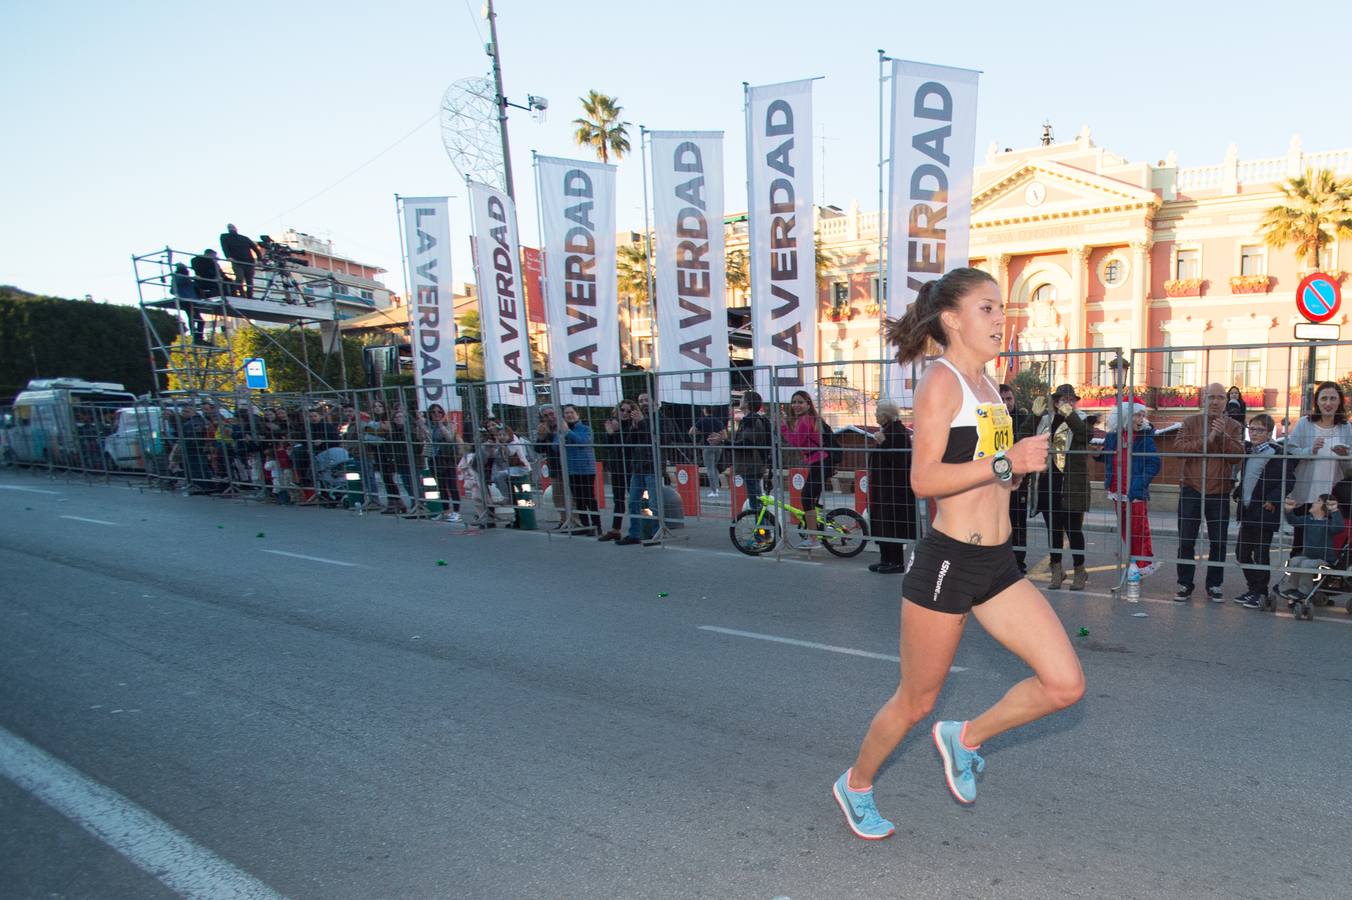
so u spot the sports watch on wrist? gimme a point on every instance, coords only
(1002, 467)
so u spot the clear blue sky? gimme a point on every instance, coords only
(133, 125)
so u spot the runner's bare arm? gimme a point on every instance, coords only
(937, 399)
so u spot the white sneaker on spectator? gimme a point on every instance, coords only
(712, 494)
(453, 517)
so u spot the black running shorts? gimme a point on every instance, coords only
(949, 576)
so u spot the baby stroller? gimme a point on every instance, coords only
(1332, 583)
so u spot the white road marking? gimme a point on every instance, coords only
(733, 554)
(93, 521)
(13, 487)
(332, 562)
(153, 845)
(812, 645)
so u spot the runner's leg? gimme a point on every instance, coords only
(1023, 621)
(929, 641)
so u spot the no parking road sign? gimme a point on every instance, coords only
(1318, 297)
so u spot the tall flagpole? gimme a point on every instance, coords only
(544, 267)
(751, 245)
(500, 100)
(648, 245)
(478, 289)
(408, 299)
(883, 215)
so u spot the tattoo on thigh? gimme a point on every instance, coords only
(975, 538)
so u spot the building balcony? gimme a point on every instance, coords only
(1183, 287)
(1250, 284)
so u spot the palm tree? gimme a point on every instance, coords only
(631, 267)
(1317, 206)
(600, 127)
(734, 264)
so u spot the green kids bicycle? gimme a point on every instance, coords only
(843, 532)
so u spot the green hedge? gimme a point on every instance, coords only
(48, 337)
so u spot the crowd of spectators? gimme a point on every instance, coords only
(306, 451)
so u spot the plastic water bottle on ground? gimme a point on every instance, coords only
(1133, 584)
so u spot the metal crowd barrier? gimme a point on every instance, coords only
(554, 454)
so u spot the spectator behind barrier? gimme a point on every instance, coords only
(614, 463)
(581, 464)
(1235, 406)
(443, 458)
(1321, 525)
(1025, 425)
(1204, 489)
(1063, 490)
(1127, 478)
(1258, 507)
(707, 433)
(803, 430)
(511, 459)
(638, 447)
(547, 454)
(1325, 435)
(891, 502)
(751, 446)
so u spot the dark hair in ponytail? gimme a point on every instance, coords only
(913, 332)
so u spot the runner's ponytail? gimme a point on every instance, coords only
(920, 326)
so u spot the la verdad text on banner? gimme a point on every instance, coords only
(689, 272)
(502, 297)
(427, 237)
(782, 222)
(577, 209)
(930, 209)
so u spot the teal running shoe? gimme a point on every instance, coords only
(958, 760)
(860, 813)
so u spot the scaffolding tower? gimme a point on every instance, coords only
(199, 357)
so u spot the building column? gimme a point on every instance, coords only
(1140, 295)
(1075, 362)
(999, 263)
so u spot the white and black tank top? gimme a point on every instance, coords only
(980, 429)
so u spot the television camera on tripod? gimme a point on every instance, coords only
(281, 261)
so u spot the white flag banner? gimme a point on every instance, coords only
(782, 218)
(691, 302)
(427, 236)
(930, 213)
(577, 205)
(502, 297)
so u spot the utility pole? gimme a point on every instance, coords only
(501, 99)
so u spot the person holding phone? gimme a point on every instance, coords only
(1321, 442)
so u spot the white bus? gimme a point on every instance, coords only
(62, 422)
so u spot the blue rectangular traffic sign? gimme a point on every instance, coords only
(256, 374)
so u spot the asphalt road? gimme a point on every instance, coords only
(185, 709)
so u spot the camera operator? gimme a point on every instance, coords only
(243, 253)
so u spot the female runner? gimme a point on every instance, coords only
(964, 456)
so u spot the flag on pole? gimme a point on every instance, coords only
(577, 207)
(502, 301)
(930, 211)
(691, 301)
(782, 220)
(427, 234)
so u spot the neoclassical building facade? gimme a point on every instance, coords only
(1094, 251)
